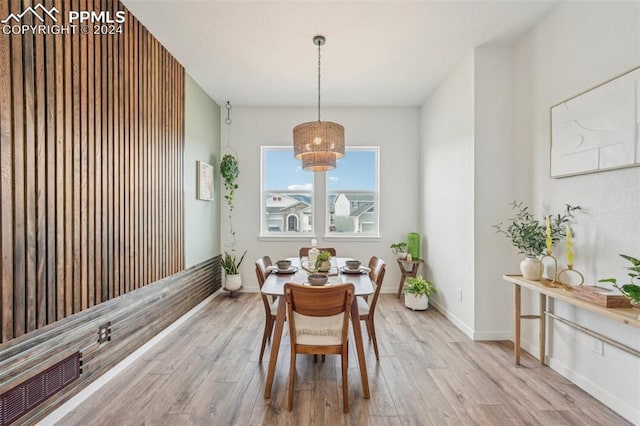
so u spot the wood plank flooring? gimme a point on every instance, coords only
(207, 373)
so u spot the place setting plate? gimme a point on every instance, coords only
(290, 270)
(358, 271)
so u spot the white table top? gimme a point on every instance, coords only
(274, 284)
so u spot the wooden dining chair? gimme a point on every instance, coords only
(367, 306)
(304, 251)
(319, 324)
(270, 305)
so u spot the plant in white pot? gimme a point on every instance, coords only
(529, 236)
(416, 293)
(399, 249)
(233, 281)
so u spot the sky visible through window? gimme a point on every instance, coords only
(355, 172)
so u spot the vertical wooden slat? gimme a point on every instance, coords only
(30, 171)
(144, 103)
(19, 234)
(40, 183)
(117, 79)
(99, 143)
(111, 226)
(60, 173)
(83, 168)
(91, 169)
(126, 128)
(76, 165)
(51, 155)
(104, 148)
(6, 186)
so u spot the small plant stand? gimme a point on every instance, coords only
(233, 292)
(408, 268)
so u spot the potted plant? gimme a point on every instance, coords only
(631, 291)
(232, 272)
(416, 293)
(323, 261)
(229, 171)
(399, 249)
(529, 235)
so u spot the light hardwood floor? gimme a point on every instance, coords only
(207, 373)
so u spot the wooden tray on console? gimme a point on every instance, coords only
(601, 296)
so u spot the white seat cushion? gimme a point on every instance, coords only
(274, 306)
(320, 331)
(363, 306)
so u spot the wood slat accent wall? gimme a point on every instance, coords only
(92, 133)
(135, 318)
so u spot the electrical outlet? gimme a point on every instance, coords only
(460, 295)
(104, 333)
(597, 347)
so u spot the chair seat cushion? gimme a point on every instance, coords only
(363, 306)
(274, 306)
(320, 331)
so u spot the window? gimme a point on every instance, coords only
(287, 193)
(352, 194)
(349, 197)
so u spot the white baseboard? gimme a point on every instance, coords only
(492, 335)
(57, 415)
(625, 410)
(454, 319)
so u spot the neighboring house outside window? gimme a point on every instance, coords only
(352, 193)
(287, 193)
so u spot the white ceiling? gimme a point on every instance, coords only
(378, 53)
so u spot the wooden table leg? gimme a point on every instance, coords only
(543, 327)
(357, 333)
(275, 346)
(516, 338)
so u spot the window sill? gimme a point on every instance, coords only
(351, 237)
(287, 237)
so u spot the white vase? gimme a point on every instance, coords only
(415, 302)
(233, 282)
(531, 268)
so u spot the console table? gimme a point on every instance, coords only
(405, 272)
(627, 316)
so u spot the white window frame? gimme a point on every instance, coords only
(328, 236)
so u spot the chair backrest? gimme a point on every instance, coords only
(378, 268)
(323, 301)
(304, 251)
(262, 271)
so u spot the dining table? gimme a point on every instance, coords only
(297, 273)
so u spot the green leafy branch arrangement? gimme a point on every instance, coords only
(631, 290)
(322, 257)
(528, 235)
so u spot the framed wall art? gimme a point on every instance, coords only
(205, 181)
(598, 129)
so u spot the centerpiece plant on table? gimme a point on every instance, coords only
(529, 235)
(323, 261)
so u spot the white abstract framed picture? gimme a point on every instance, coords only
(598, 129)
(205, 181)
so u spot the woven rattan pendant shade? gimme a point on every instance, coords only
(318, 161)
(318, 143)
(318, 137)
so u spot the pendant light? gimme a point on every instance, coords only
(318, 143)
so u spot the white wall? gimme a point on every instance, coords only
(447, 193)
(202, 143)
(395, 130)
(579, 45)
(493, 188)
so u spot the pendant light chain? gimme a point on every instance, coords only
(319, 44)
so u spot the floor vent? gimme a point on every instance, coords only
(21, 399)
